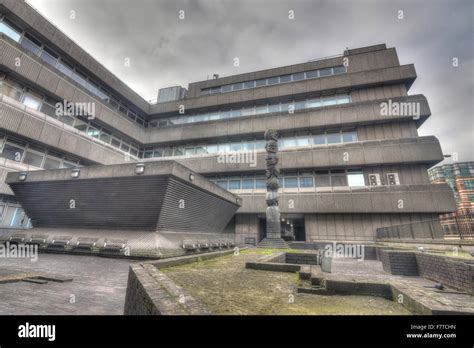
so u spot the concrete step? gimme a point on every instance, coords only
(277, 243)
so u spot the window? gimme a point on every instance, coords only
(469, 184)
(322, 178)
(261, 110)
(49, 108)
(12, 152)
(338, 178)
(325, 72)
(349, 137)
(261, 82)
(334, 138)
(272, 80)
(32, 100)
(234, 184)
(237, 86)
(51, 163)
(31, 44)
(306, 181)
(49, 56)
(235, 147)
(222, 183)
(247, 184)
(343, 99)
(115, 142)
(11, 89)
(33, 159)
(226, 88)
(125, 147)
(319, 139)
(312, 74)
(291, 182)
(298, 76)
(288, 142)
(9, 31)
(274, 108)
(355, 178)
(211, 148)
(105, 135)
(223, 148)
(285, 78)
(302, 141)
(189, 151)
(215, 90)
(80, 125)
(205, 91)
(249, 84)
(65, 68)
(260, 183)
(313, 103)
(331, 100)
(339, 69)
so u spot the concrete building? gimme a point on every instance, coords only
(460, 178)
(351, 157)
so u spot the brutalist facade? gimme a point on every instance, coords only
(351, 159)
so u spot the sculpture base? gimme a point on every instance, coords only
(273, 243)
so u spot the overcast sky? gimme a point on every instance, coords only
(166, 51)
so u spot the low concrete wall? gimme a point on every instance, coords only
(399, 262)
(151, 292)
(454, 272)
(302, 259)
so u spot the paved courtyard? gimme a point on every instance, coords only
(98, 286)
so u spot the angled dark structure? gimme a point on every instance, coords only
(163, 197)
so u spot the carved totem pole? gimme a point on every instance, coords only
(272, 175)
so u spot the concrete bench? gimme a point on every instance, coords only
(190, 245)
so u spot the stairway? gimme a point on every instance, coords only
(273, 243)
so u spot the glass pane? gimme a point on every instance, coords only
(312, 74)
(237, 86)
(356, 179)
(285, 78)
(320, 139)
(306, 182)
(322, 180)
(339, 69)
(211, 148)
(50, 163)
(33, 159)
(338, 180)
(288, 142)
(313, 103)
(261, 82)
(48, 58)
(234, 184)
(334, 138)
(272, 80)
(11, 89)
(298, 76)
(48, 110)
(247, 184)
(30, 46)
(223, 148)
(226, 88)
(64, 68)
(291, 182)
(329, 100)
(9, 31)
(222, 183)
(348, 137)
(343, 99)
(249, 84)
(189, 151)
(260, 183)
(303, 141)
(325, 72)
(274, 108)
(235, 147)
(32, 101)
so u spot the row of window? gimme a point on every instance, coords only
(36, 47)
(469, 184)
(293, 180)
(47, 106)
(255, 110)
(23, 152)
(12, 214)
(299, 140)
(274, 80)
